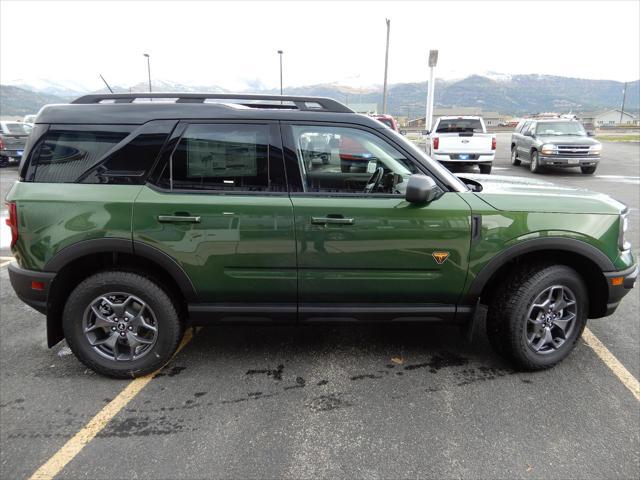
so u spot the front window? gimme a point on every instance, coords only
(560, 128)
(348, 160)
(459, 125)
(15, 128)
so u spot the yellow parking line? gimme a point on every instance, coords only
(69, 450)
(625, 376)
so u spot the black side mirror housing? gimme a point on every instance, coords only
(591, 133)
(421, 189)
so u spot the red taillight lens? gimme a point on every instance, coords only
(436, 143)
(1, 144)
(493, 143)
(12, 222)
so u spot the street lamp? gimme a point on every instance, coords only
(280, 52)
(433, 60)
(148, 69)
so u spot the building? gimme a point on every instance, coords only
(491, 119)
(608, 118)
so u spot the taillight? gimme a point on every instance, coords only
(436, 143)
(1, 144)
(12, 222)
(493, 143)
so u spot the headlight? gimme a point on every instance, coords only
(549, 149)
(624, 226)
(595, 148)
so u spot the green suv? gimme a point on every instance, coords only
(137, 217)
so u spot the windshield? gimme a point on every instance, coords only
(560, 128)
(14, 128)
(459, 125)
(434, 166)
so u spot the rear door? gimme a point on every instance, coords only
(371, 255)
(218, 205)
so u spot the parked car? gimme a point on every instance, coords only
(463, 141)
(199, 213)
(13, 137)
(555, 142)
(388, 120)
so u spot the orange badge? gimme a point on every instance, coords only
(440, 257)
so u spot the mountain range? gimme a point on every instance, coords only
(507, 94)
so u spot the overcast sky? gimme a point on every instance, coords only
(234, 44)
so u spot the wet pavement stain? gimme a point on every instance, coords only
(300, 383)
(17, 401)
(250, 396)
(143, 427)
(199, 394)
(439, 361)
(322, 382)
(366, 375)
(172, 372)
(325, 403)
(276, 374)
(480, 374)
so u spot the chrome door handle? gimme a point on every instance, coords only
(178, 219)
(332, 220)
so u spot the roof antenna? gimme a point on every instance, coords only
(105, 82)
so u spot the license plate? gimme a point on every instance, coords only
(463, 157)
(573, 161)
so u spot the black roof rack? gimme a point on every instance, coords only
(307, 104)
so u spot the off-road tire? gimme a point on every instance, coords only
(169, 325)
(485, 168)
(508, 309)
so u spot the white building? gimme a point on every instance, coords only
(608, 118)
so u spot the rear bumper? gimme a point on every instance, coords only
(472, 157)
(558, 161)
(23, 282)
(617, 292)
(13, 156)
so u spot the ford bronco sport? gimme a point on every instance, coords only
(134, 218)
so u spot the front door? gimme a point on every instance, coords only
(364, 252)
(218, 206)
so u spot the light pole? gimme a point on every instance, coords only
(433, 60)
(280, 52)
(148, 69)
(386, 68)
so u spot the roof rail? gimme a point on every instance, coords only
(308, 104)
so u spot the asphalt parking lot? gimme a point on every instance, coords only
(346, 401)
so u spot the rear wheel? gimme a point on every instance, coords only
(537, 315)
(588, 170)
(121, 324)
(534, 166)
(515, 161)
(485, 168)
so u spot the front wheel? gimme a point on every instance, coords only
(485, 168)
(121, 324)
(537, 315)
(515, 161)
(534, 166)
(588, 170)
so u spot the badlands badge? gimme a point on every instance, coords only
(440, 257)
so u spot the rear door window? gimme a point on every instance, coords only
(224, 157)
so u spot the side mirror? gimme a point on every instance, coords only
(528, 134)
(421, 189)
(591, 133)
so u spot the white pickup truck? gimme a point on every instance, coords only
(462, 141)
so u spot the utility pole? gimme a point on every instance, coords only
(624, 97)
(433, 60)
(386, 68)
(148, 69)
(280, 52)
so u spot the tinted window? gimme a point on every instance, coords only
(459, 125)
(343, 160)
(221, 157)
(560, 128)
(131, 163)
(64, 155)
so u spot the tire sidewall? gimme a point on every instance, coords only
(168, 323)
(514, 157)
(534, 166)
(556, 276)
